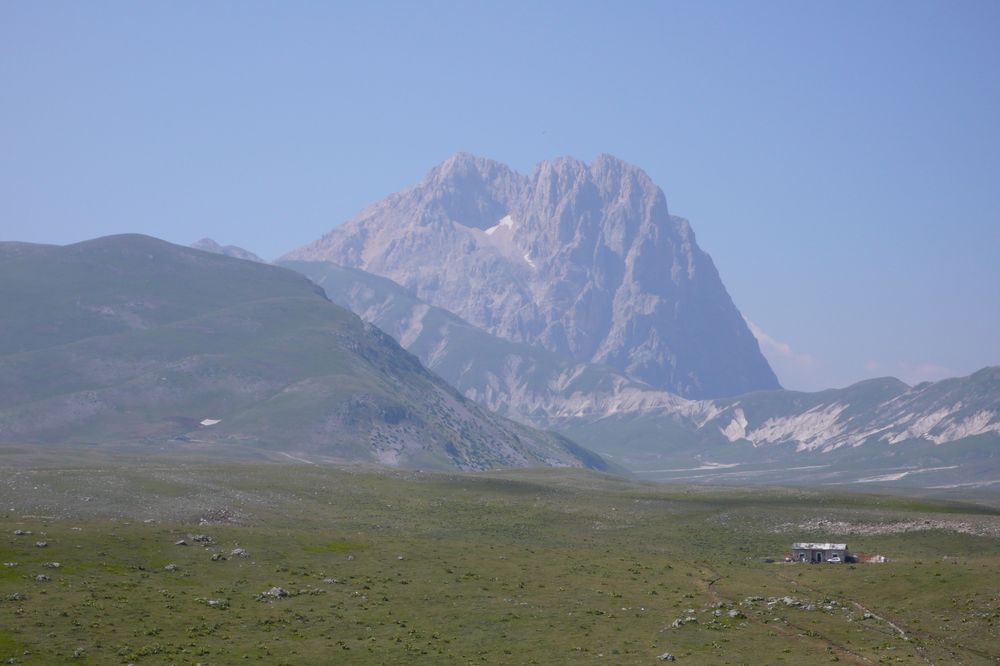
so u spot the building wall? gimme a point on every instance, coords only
(810, 555)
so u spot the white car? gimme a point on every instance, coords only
(835, 559)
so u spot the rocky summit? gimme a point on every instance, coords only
(583, 260)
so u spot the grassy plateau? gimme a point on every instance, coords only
(552, 566)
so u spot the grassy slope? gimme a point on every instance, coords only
(514, 567)
(128, 339)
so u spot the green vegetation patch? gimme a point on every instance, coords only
(334, 547)
(311, 564)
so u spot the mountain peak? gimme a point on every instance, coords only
(619, 168)
(589, 264)
(463, 167)
(209, 245)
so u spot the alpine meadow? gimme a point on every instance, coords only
(513, 333)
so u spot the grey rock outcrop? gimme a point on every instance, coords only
(583, 260)
(209, 245)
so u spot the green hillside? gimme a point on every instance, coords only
(131, 341)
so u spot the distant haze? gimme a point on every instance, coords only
(838, 162)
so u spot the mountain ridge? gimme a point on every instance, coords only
(584, 260)
(638, 425)
(131, 341)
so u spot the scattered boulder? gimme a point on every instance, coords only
(41, 544)
(273, 593)
(218, 557)
(17, 596)
(239, 552)
(202, 538)
(736, 614)
(171, 567)
(22, 532)
(51, 565)
(180, 542)
(666, 656)
(42, 578)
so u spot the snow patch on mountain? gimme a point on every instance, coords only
(737, 428)
(979, 423)
(507, 222)
(415, 325)
(810, 430)
(921, 424)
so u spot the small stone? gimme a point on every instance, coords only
(677, 624)
(171, 567)
(666, 656)
(180, 542)
(239, 552)
(51, 565)
(201, 538)
(736, 614)
(276, 593)
(22, 532)
(42, 578)
(41, 544)
(218, 557)
(399, 557)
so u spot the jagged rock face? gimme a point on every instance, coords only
(585, 261)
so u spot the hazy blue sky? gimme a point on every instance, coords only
(840, 161)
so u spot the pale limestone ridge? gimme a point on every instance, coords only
(583, 260)
(540, 388)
